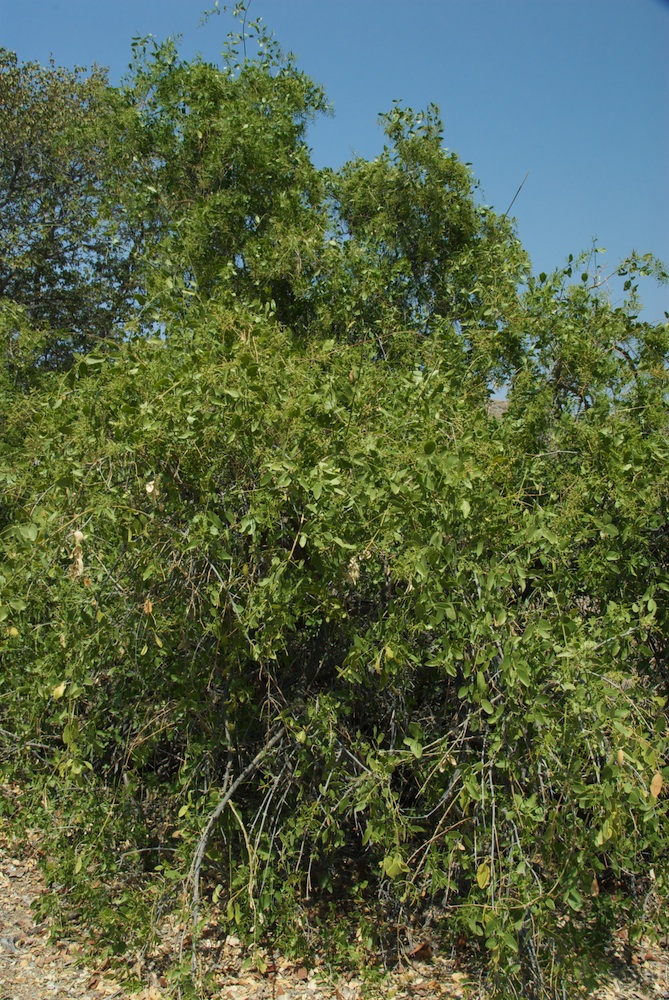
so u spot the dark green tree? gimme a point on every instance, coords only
(67, 251)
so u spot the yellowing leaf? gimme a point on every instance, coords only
(394, 865)
(148, 607)
(621, 758)
(656, 785)
(594, 888)
(59, 690)
(483, 875)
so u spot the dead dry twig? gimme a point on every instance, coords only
(198, 857)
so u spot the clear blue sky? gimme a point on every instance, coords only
(575, 91)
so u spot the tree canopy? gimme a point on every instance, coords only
(290, 621)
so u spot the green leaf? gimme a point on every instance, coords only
(510, 941)
(483, 875)
(394, 865)
(415, 747)
(543, 628)
(70, 733)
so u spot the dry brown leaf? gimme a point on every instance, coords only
(301, 973)
(656, 785)
(422, 951)
(353, 572)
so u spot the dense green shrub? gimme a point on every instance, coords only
(273, 521)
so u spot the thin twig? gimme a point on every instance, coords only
(246, 12)
(516, 195)
(204, 836)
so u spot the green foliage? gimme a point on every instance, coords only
(227, 172)
(281, 510)
(414, 251)
(67, 249)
